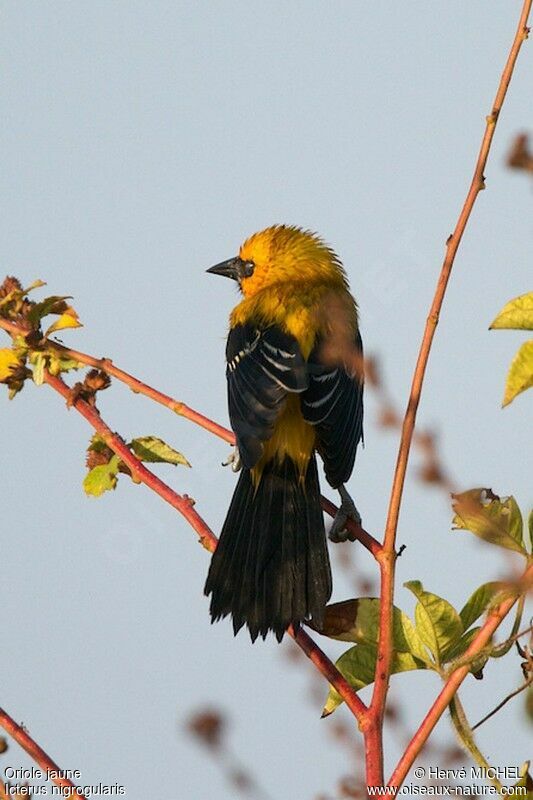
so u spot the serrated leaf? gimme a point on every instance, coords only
(520, 375)
(55, 304)
(437, 622)
(479, 602)
(358, 665)
(68, 319)
(152, 449)
(517, 314)
(102, 478)
(494, 519)
(358, 621)
(8, 363)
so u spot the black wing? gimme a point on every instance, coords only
(333, 403)
(263, 365)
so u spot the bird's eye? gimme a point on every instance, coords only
(248, 269)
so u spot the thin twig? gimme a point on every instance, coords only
(504, 702)
(387, 557)
(22, 737)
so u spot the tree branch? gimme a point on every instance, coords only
(184, 505)
(388, 556)
(23, 738)
(139, 387)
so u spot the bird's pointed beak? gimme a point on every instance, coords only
(229, 268)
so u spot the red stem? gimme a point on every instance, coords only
(23, 738)
(387, 557)
(208, 539)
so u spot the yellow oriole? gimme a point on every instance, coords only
(295, 386)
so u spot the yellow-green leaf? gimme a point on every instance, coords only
(358, 621)
(39, 363)
(8, 363)
(358, 665)
(496, 520)
(68, 319)
(520, 375)
(516, 314)
(152, 449)
(35, 285)
(102, 478)
(437, 622)
(57, 363)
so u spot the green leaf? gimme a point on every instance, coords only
(479, 602)
(437, 622)
(477, 662)
(462, 645)
(530, 526)
(358, 621)
(152, 449)
(55, 304)
(516, 314)
(102, 478)
(496, 520)
(358, 665)
(520, 375)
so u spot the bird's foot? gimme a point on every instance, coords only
(348, 510)
(234, 459)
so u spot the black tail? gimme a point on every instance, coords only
(271, 566)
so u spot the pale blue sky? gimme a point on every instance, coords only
(142, 142)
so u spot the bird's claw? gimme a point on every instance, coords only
(348, 510)
(234, 459)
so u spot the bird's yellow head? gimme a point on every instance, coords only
(279, 254)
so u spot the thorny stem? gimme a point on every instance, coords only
(22, 737)
(388, 556)
(184, 505)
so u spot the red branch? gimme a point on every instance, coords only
(374, 734)
(37, 753)
(208, 539)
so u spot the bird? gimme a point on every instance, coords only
(295, 389)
